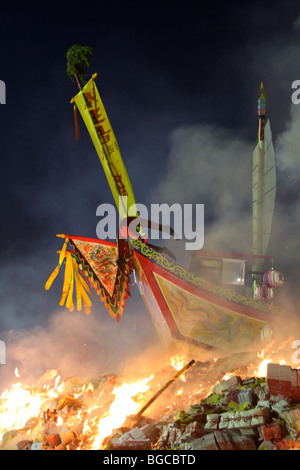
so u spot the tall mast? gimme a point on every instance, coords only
(263, 187)
(258, 177)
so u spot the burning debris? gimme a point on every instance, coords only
(202, 409)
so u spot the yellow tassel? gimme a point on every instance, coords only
(72, 276)
(56, 270)
(81, 294)
(78, 292)
(63, 252)
(68, 279)
(52, 277)
(70, 303)
(86, 301)
(77, 133)
(83, 282)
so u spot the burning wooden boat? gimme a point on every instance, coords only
(223, 302)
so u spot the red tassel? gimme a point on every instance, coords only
(77, 133)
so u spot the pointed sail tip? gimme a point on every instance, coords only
(262, 90)
(261, 102)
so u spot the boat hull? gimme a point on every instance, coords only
(187, 310)
(194, 313)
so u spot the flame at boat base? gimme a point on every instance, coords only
(95, 409)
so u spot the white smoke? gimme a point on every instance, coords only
(288, 146)
(211, 166)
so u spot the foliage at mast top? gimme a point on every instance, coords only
(78, 61)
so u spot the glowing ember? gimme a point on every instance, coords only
(178, 362)
(228, 375)
(262, 368)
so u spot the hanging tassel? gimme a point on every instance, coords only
(70, 303)
(77, 133)
(72, 279)
(68, 281)
(56, 270)
(81, 294)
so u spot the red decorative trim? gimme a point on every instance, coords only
(92, 240)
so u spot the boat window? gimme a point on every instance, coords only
(209, 268)
(233, 272)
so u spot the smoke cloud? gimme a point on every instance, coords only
(201, 163)
(76, 344)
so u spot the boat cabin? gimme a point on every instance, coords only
(234, 270)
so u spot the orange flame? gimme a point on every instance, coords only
(178, 362)
(123, 405)
(105, 410)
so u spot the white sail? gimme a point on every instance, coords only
(269, 186)
(263, 191)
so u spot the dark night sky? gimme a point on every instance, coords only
(179, 81)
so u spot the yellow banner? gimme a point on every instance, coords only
(91, 108)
